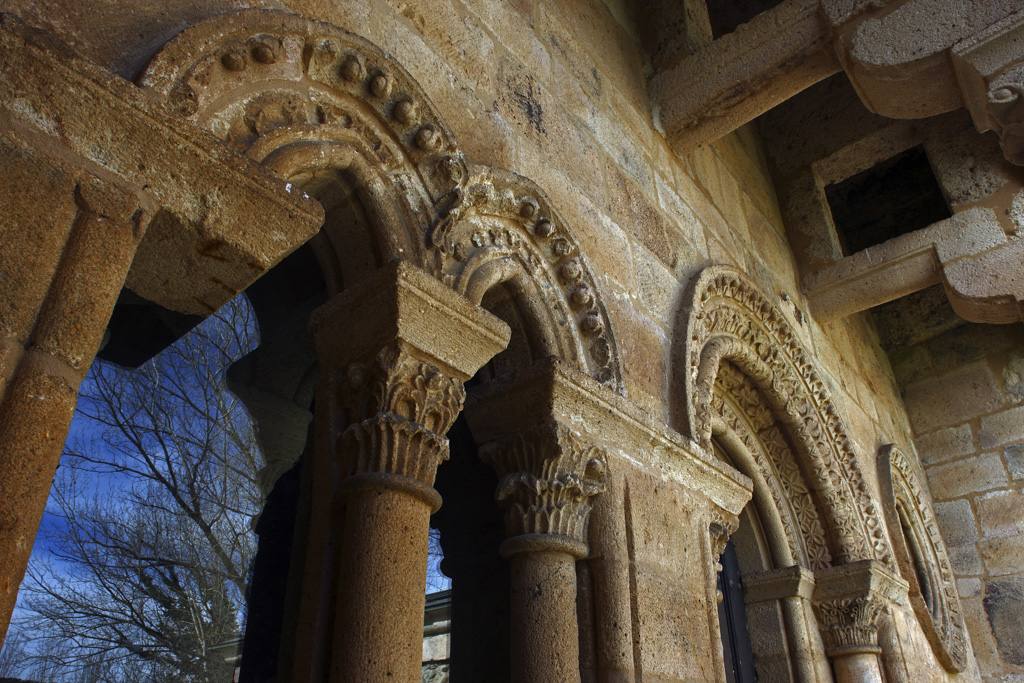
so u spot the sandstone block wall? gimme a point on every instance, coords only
(964, 391)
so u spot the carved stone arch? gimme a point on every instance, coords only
(307, 98)
(742, 413)
(922, 558)
(730, 320)
(501, 229)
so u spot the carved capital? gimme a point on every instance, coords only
(848, 601)
(398, 408)
(548, 477)
(395, 351)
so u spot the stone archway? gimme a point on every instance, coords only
(302, 97)
(333, 115)
(730, 320)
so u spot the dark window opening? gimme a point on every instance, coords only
(898, 196)
(471, 530)
(917, 558)
(732, 621)
(727, 15)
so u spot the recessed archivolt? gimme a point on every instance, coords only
(730, 320)
(909, 512)
(740, 409)
(304, 97)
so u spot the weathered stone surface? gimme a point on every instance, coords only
(1004, 600)
(977, 473)
(956, 521)
(934, 403)
(1002, 428)
(1001, 513)
(945, 444)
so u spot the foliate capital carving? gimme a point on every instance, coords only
(548, 476)
(848, 601)
(398, 408)
(850, 625)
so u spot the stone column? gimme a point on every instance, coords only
(548, 476)
(69, 239)
(394, 352)
(791, 588)
(849, 599)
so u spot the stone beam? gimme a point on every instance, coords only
(220, 221)
(743, 74)
(907, 59)
(970, 253)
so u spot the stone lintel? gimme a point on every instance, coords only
(776, 584)
(222, 219)
(555, 391)
(402, 304)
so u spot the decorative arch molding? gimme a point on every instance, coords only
(730, 320)
(305, 97)
(742, 411)
(922, 558)
(501, 229)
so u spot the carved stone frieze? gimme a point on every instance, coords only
(305, 97)
(500, 225)
(259, 77)
(548, 476)
(848, 601)
(730, 320)
(915, 532)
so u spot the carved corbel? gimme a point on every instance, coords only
(548, 478)
(849, 599)
(990, 69)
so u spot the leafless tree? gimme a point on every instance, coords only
(145, 568)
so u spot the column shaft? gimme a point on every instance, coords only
(39, 399)
(381, 582)
(861, 667)
(545, 637)
(394, 354)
